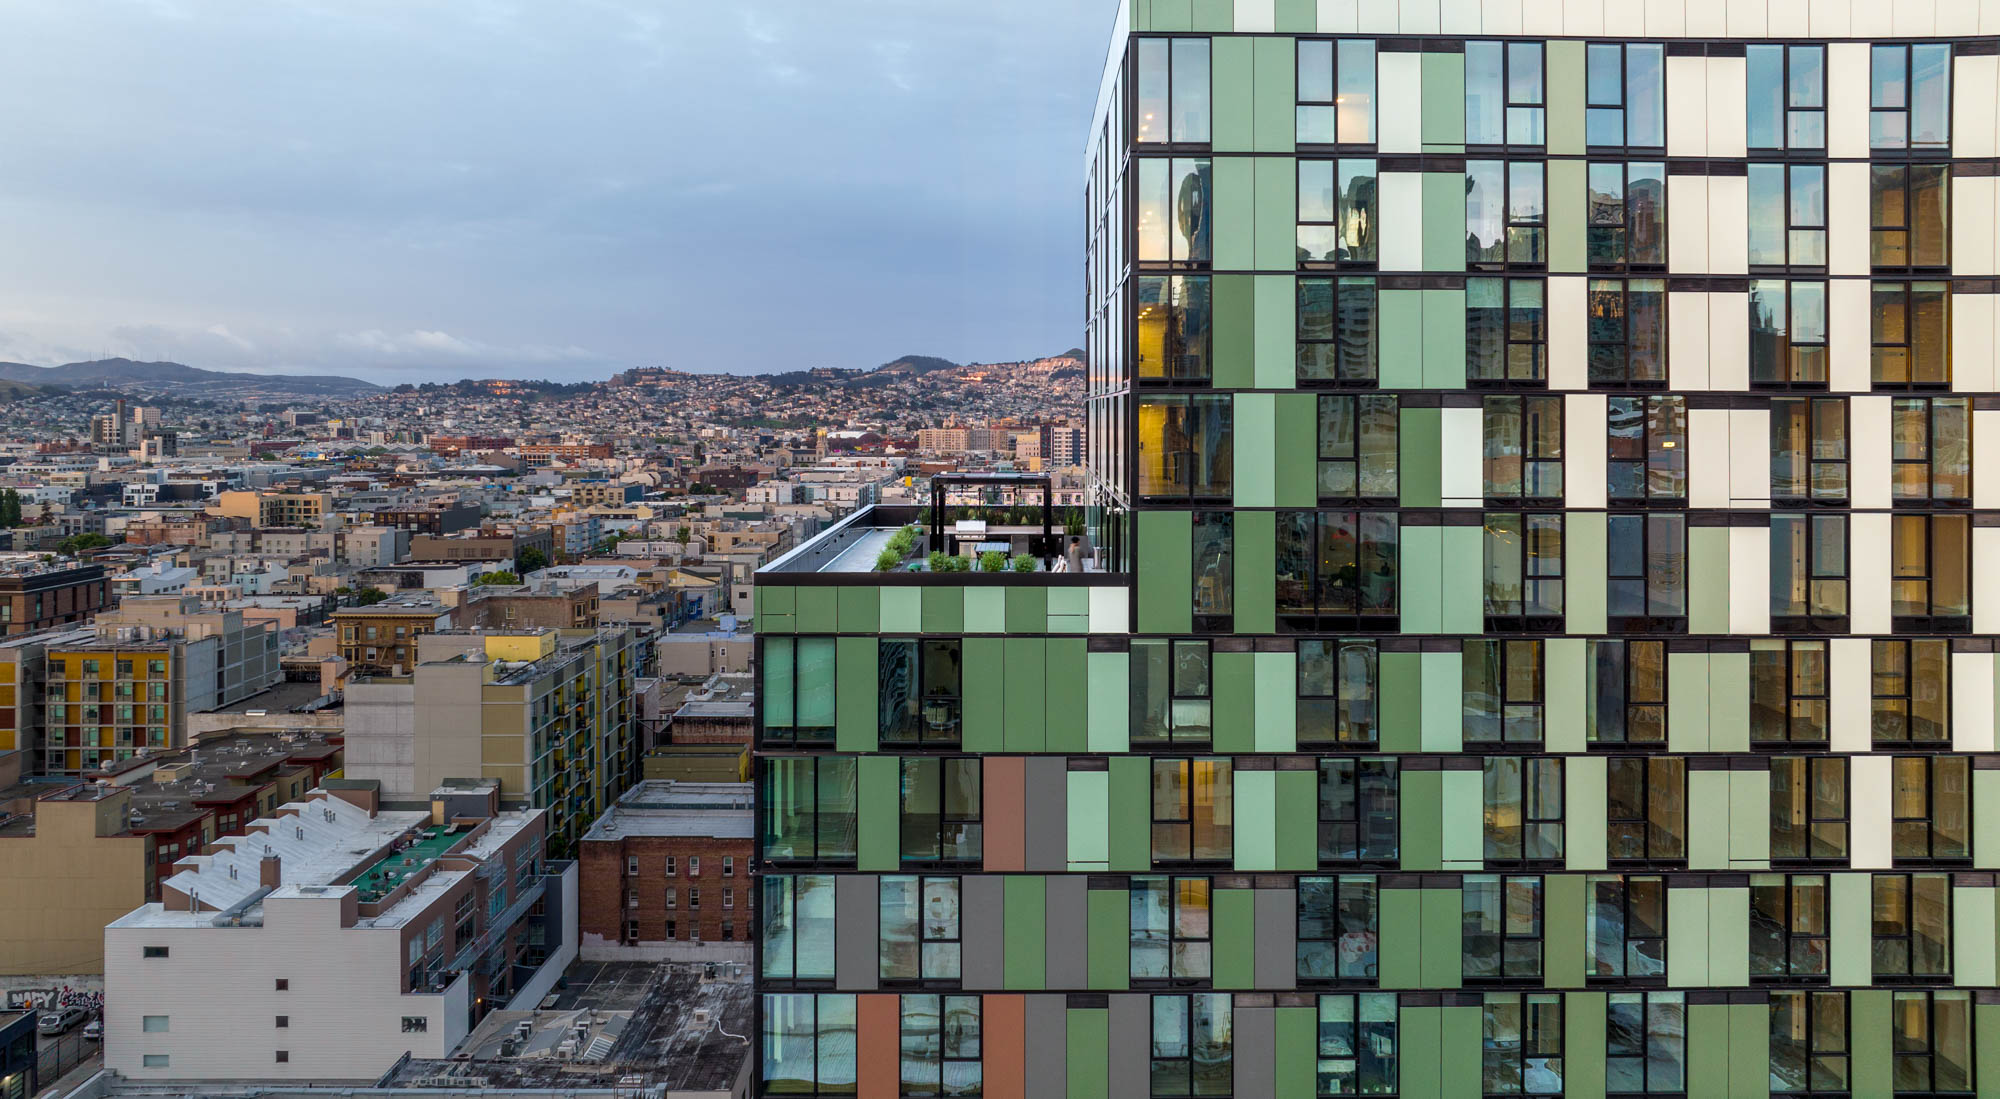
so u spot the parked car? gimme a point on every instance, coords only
(61, 1020)
(93, 1031)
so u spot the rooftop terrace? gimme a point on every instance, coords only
(855, 547)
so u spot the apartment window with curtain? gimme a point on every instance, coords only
(798, 703)
(1625, 95)
(1788, 927)
(1626, 694)
(1186, 447)
(1645, 1043)
(1506, 333)
(1628, 921)
(1193, 1048)
(919, 928)
(1787, 216)
(1193, 811)
(940, 1051)
(1171, 683)
(1502, 928)
(1809, 1047)
(1523, 449)
(1788, 693)
(1171, 930)
(1910, 327)
(940, 811)
(1336, 92)
(1646, 809)
(1524, 570)
(1930, 450)
(1521, 1039)
(1932, 1042)
(1505, 96)
(1338, 569)
(1359, 819)
(1909, 206)
(1786, 96)
(1809, 450)
(1337, 693)
(1357, 448)
(1174, 91)
(1626, 215)
(809, 807)
(1911, 689)
(1912, 927)
(1809, 818)
(1930, 810)
(1339, 342)
(1647, 573)
(1523, 809)
(1647, 450)
(1788, 326)
(1338, 218)
(1909, 97)
(1808, 572)
(1506, 215)
(1930, 570)
(1338, 929)
(1357, 1044)
(1626, 332)
(1175, 327)
(1174, 207)
(1502, 691)
(920, 692)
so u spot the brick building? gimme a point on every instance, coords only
(665, 875)
(36, 598)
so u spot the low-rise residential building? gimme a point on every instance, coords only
(381, 638)
(34, 596)
(334, 937)
(665, 874)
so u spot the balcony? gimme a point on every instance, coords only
(956, 545)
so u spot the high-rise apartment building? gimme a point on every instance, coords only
(1539, 451)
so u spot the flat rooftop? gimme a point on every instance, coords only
(668, 807)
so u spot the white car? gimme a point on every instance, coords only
(93, 1031)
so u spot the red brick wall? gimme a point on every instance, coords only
(604, 887)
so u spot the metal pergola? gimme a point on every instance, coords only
(944, 481)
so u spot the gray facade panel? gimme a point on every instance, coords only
(1256, 1053)
(1067, 961)
(1131, 1037)
(1276, 918)
(1046, 808)
(857, 938)
(1047, 1033)
(981, 931)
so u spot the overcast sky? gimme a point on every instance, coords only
(546, 188)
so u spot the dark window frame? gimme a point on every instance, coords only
(1806, 694)
(1362, 410)
(1366, 796)
(1524, 342)
(1506, 842)
(1803, 953)
(1343, 937)
(1787, 110)
(1524, 410)
(1799, 424)
(1808, 772)
(1628, 699)
(1200, 952)
(1336, 710)
(1616, 892)
(1536, 887)
(1659, 844)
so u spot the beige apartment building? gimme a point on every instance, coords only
(275, 509)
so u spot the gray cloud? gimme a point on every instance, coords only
(437, 187)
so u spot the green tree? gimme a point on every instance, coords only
(529, 560)
(682, 535)
(370, 596)
(78, 543)
(498, 576)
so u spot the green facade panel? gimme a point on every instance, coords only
(1276, 98)
(1024, 965)
(857, 718)
(985, 708)
(1420, 446)
(1166, 566)
(1026, 678)
(1066, 695)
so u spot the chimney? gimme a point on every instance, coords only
(267, 871)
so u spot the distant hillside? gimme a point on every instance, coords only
(182, 380)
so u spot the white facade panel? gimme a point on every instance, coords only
(1972, 702)
(1975, 84)
(1973, 322)
(1850, 663)
(1748, 19)
(1707, 18)
(1402, 205)
(1585, 483)
(1709, 466)
(1873, 20)
(1339, 16)
(1847, 333)
(1869, 814)
(1666, 18)
(1750, 580)
(1110, 610)
(1500, 16)
(1462, 477)
(1624, 19)
(1583, 18)
(1419, 16)
(1378, 17)
(1256, 16)
(1687, 341)
(1541, 18)
(1847, 219)
(1728, 225)
(1569, 310)
(1847, 97)
(1687, 212)
(1986, 580)
(1868, 573)
(1827, 18)
(1687, 123)
(1399, 105)
(1957, 18)
(1913, 18)
(1459, 16)
(1727, 121)
(1972, 220)
(1749, 457)
(1728, 342)
(1986, 459)
(1789, 19)
(1868, 452)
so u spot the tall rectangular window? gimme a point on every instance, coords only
(1808, 568)
(1788, 693)
(1193, 1051)
(1186, 446)
(1788, 334)
(1932, 1042)
(1193, 810)
(1176, 321)
(1788, 927)
(1647, 450)
(1521, 1038)
(808, 1046)
(1338, 218)
(1787, 215)
(919, 928)
(1338, 343)
(1213, 578)
(1627, 698)
(1174, 205)
(1357, 448)
(1910, 96)
(1809, 449)
(940, 1046)
(1809, 1043)
(1910, 204)
(1930, 570)
(1645, 1043)
(1930, 810)
(1911, 689)
(1625, 95)
(1338, 929)
(1627, 215)
(1809, 809)
(1338, 566)
(1648, 568)
(1627, 331)
(1358, 812)
(1174, 93)
(1523, 799)
(1502, 928)
(809, 807)
(1646, 809)
(1787, 96)
(1912, 927)
(1171, 687)
(920, 692)
(1502, 691)
(941, 810)
(796, 919)
(1628, 921)
(1505, 103)
(798, 687)
(1337, 693)
(1506, 214)
(1930, 440)
(1171, 929)
(1523, 451)
(1357, 1044)
(1506, 333)
(1524, 570)
(1336, 92)
(1911, 330)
